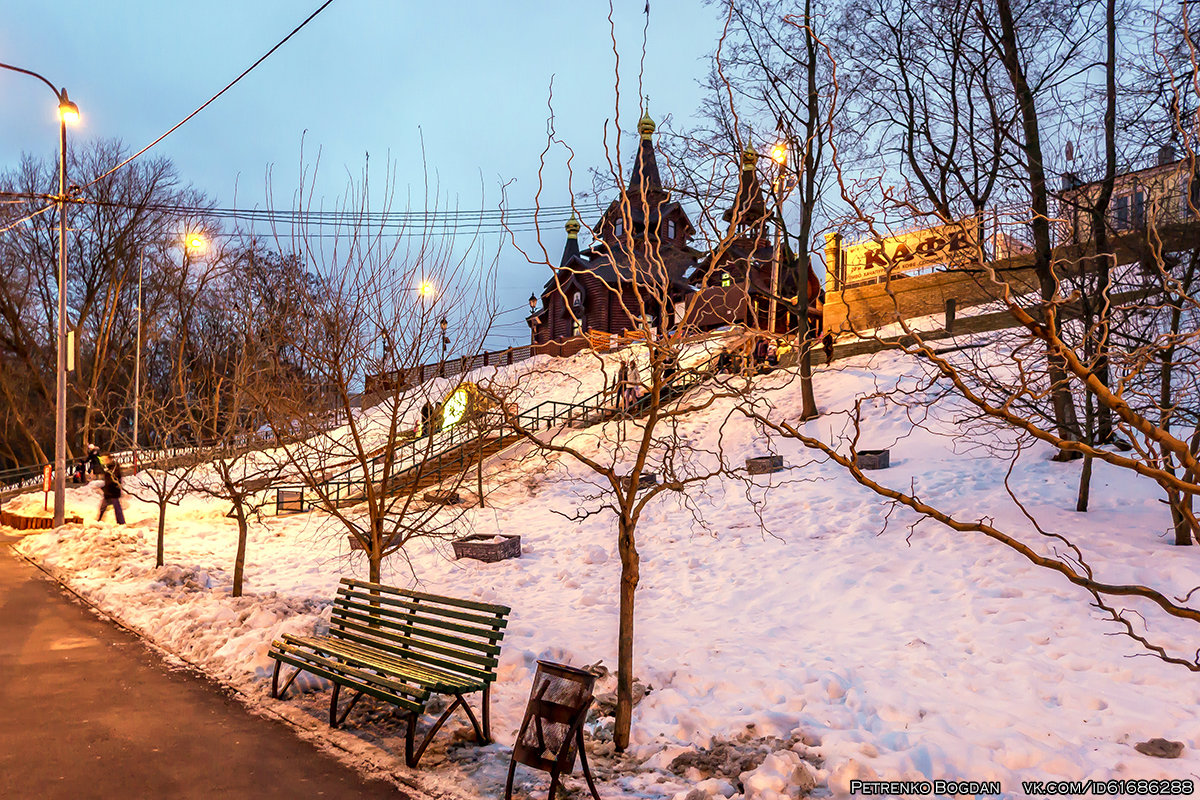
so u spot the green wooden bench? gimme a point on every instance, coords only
(401, 647)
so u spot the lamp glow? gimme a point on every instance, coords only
(426, 289)
(779, 153)
(69, 112)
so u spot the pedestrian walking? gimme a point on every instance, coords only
(760, 353)
(622, 384)
(111, 491)
(439, 417)
(670, 367)
(426, 418)
(827, 345)
(93, 461)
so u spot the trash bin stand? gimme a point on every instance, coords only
(532, 748)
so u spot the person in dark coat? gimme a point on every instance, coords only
(724, 363)
(111, 491)
(93, 461)
(426, 418)
(760, 353)
(827, 344)
(670, 367)
(622, 385)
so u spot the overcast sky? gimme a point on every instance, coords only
(366, 76)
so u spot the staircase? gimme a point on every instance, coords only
(417, 464)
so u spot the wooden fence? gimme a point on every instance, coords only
(403, 378)
(23, 523)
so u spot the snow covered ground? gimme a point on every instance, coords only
(825, 643)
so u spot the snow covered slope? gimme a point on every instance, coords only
(820, 642)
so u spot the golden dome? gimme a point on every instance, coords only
(646, 125)
(749, 158)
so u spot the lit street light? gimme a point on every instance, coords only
(779, 154)
(196, 242)
(67, 112)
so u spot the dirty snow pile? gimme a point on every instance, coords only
(793, 632)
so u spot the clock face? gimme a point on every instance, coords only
(455, 407)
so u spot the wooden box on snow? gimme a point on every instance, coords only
(483, 547)
(871, 459)
(761, 465)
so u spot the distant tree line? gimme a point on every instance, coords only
(140, 218)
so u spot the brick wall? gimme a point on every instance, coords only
(871, 306)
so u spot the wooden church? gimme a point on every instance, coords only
(636, 269)
(641, 266)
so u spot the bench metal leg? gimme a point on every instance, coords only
(335, 720)
(409, 738)
(481, 733)
(276, 692)
(480, 736)
(486, 703)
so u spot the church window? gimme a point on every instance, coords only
(670, 229)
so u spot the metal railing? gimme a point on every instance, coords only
(450, 451)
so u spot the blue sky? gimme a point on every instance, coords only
(366, 76)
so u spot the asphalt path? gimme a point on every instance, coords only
(87, 710)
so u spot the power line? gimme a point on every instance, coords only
(215, 96)
(427, 218)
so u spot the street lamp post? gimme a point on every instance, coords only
(67, 112)
(445, 343)
(532, 319)
(779, 154)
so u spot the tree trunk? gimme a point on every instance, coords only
(375, 552)
(1085, 474)
(1085, 484)
(239, 564)
(162, 527)
(1063, 404)
(1104, 259)
(629, 581)
(808, 409)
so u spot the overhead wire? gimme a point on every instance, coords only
(209, 102)
(27, 217)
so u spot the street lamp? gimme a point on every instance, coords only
(532, 319)
(196, 242)
(445, 342)
(779, 154)
(67, 112)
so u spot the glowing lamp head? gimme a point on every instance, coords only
(426, 289)
(195, 241)
(779, 153)
(68, 111)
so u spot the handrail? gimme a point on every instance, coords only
(437, 447)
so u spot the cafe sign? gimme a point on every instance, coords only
(956, 242)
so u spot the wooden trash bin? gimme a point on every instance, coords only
(552, 731)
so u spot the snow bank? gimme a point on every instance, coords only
(838, 644)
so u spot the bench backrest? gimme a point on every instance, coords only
(461, 637)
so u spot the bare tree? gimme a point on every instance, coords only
(626, 424)
(379, 304)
